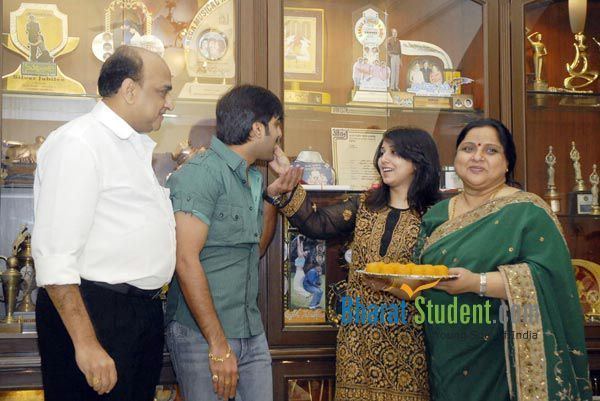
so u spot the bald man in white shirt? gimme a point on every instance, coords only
(104, 240)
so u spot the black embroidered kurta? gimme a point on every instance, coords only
(374, 362)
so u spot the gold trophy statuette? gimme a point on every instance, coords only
(539, 52)
(579, 76)
(579, 183)
(595, 180)
(551, 194)
(11, 280)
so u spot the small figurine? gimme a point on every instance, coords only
(539, 52)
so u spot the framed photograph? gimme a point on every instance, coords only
(303, 44)
(212, 44)
(584, 203)
(428, 70)
(305, 284)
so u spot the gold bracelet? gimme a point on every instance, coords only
(215, 358)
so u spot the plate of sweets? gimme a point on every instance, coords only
(407, 271)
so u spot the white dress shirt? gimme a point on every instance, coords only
(100, 213)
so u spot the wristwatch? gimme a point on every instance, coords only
(281, 200)
(273, 200)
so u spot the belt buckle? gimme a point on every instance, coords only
(157, 294)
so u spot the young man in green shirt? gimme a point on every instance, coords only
(215, 333)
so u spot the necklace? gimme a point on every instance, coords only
(455, 200)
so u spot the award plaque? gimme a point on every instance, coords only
(39, 34)
(583, 203)
(209, 48)
(353, 151)
(370, 73)
(136, 18)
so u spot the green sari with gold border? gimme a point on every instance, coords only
(534, 347)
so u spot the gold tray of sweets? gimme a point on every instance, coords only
(407, 271)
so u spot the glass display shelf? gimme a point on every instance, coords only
(570, 101)
(382, 110)
(579, 217)
(565, 93)
(60, 107)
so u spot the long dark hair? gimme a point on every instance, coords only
(415, 145)
(506, 139)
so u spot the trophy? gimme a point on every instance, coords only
(11, 279)
(539, 52)
(370, 73)
(593, 299)
(209, 49)
(595, 180)
(579, 183)
(551, 195)
(22, 249)
(133, 13)
(579, 75)
(19, 160)
(38, 33)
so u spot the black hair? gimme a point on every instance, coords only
(241, 107)
(416, 145)
(506, 139)
(124, 63)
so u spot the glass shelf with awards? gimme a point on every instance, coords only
(42, 90)
(353, 69)
(570, 101)
(51, 55)
(557, 66)
(350, 70)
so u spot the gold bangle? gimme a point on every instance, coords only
(215, 358)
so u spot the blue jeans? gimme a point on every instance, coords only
(189, 355)
(316, 292)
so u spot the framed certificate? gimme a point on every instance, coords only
(353, 151)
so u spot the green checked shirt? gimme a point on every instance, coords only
(213, 186)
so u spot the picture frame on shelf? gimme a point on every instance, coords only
(304, 46)
(305, 285)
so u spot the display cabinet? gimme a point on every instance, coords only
(347, 71)
(556, 96)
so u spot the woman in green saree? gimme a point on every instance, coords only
(512, 257)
